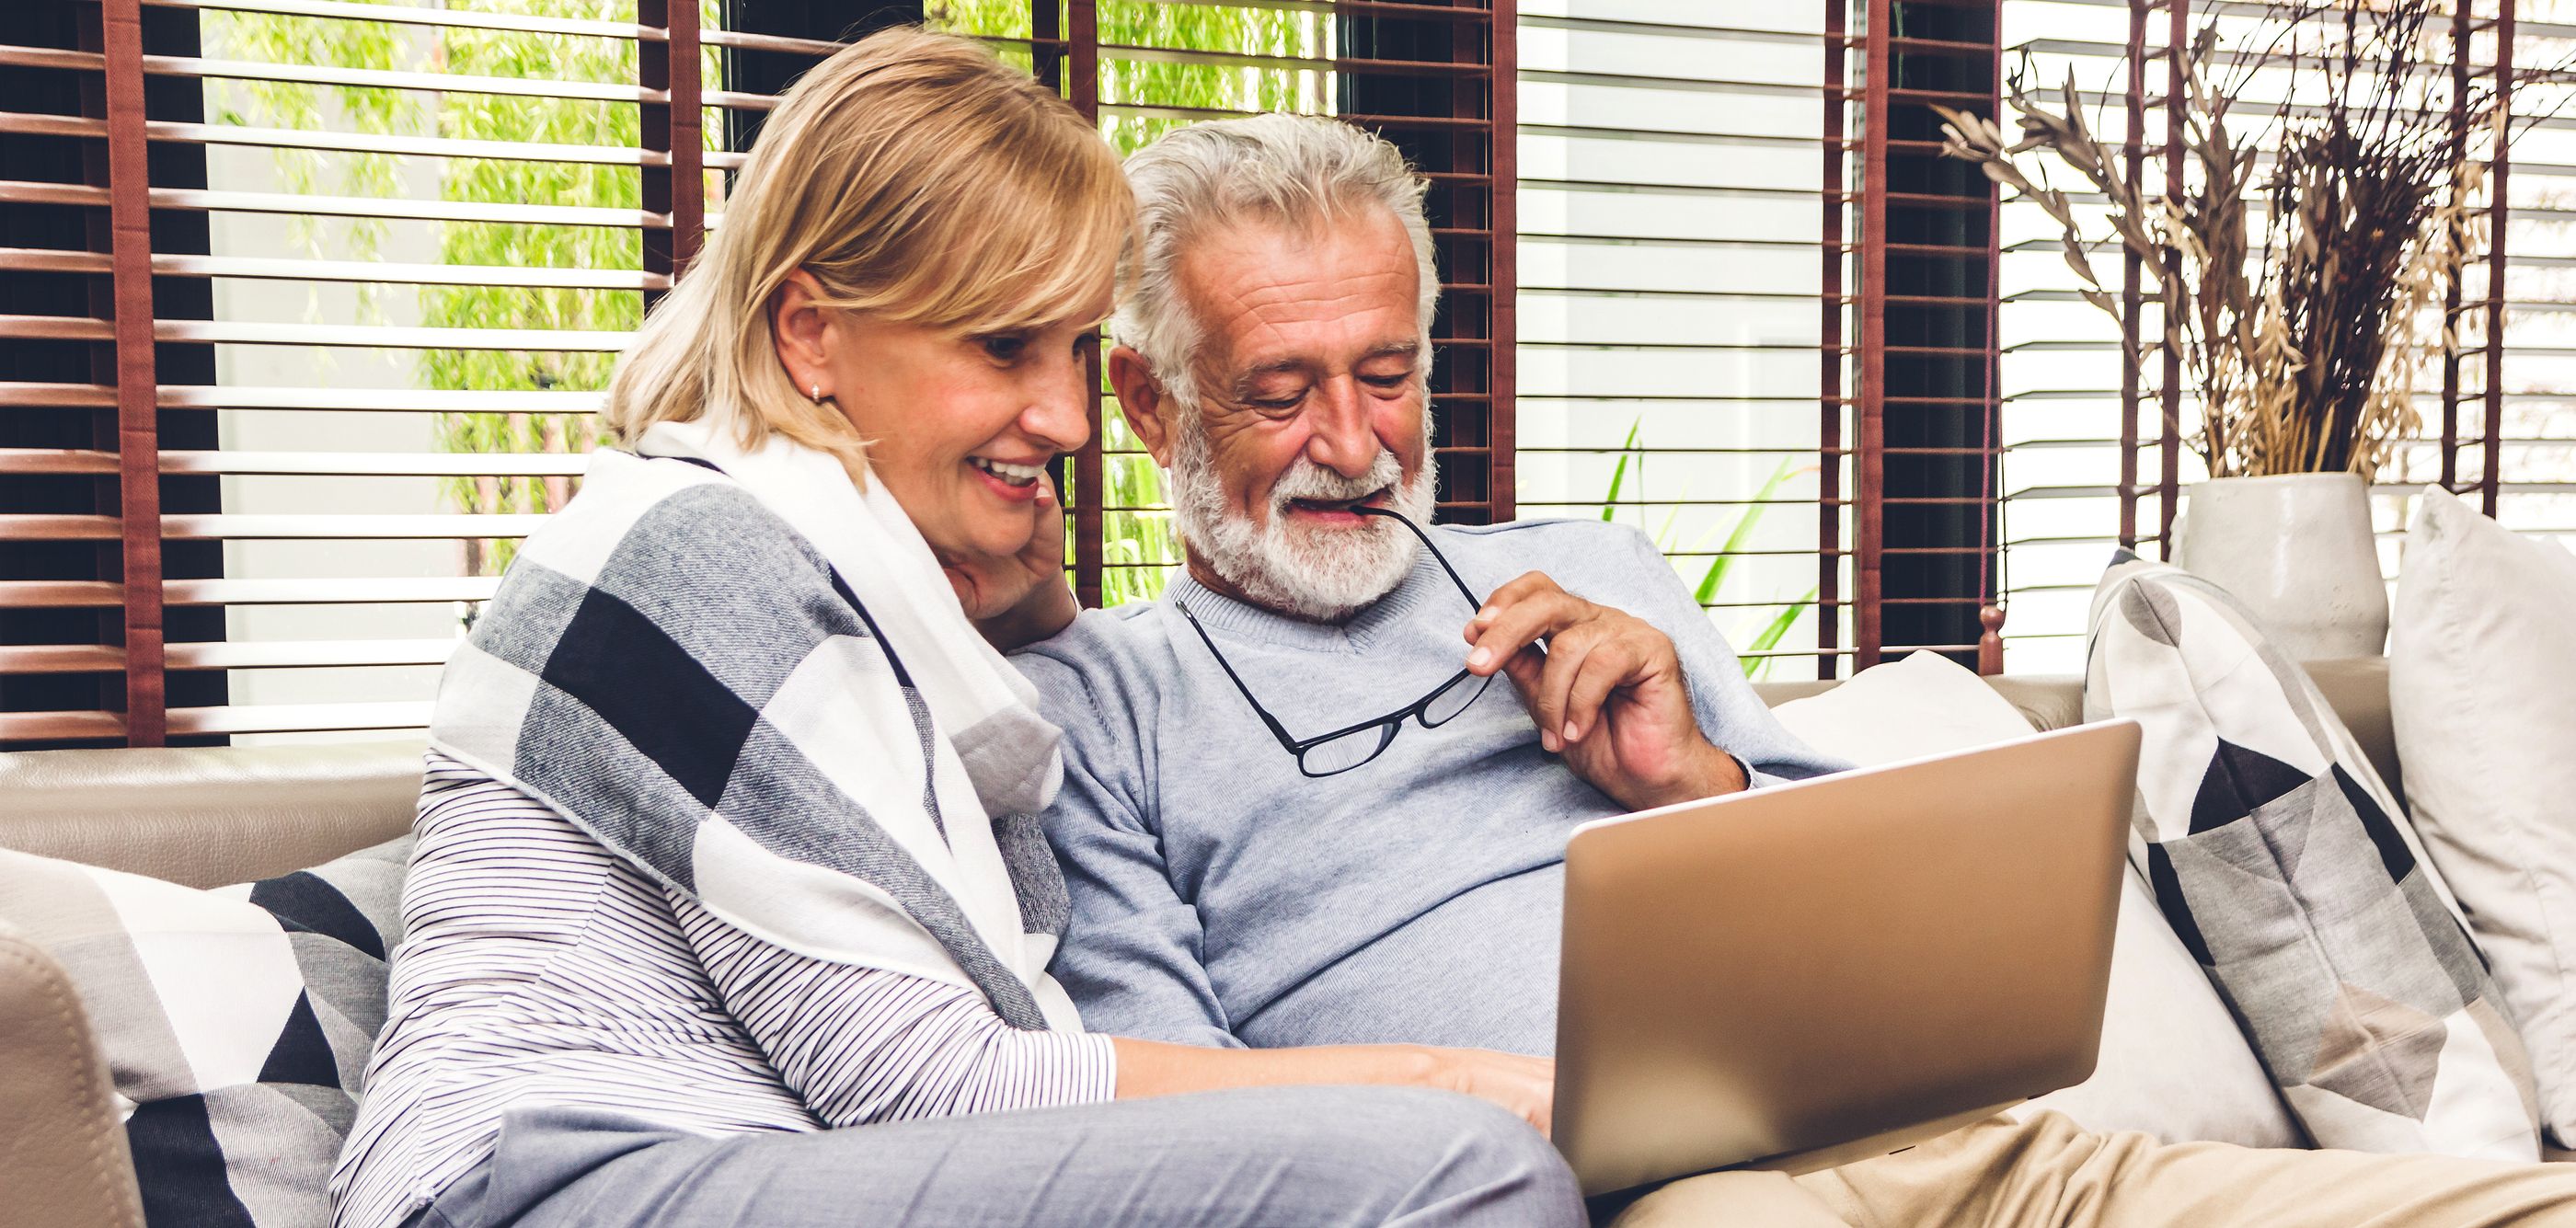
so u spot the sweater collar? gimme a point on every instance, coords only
(1221, 614)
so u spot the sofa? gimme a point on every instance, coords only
(206, 817)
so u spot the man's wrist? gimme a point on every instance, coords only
(1712, 772)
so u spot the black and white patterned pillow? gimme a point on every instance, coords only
(236, 1022)
(2291, 874)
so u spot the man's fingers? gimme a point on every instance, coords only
(1521, 588)
(1524, 667)
(1602, 671)
(1547, 700)
(1516, 624)
(1524, 585)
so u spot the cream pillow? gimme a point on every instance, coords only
(2482, 689)
(2173, 1063)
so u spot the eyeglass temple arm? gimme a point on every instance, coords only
(1436, 556)
(1276, 729)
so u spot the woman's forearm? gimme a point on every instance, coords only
(1523, 1085)
(1150, 1068)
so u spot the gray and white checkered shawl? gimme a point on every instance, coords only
(691, 663)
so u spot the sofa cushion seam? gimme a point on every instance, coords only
(84, 1074)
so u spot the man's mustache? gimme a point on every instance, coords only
(1310, 480)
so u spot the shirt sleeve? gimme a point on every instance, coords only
(1132, 957)
(863, 1045)
(1731, 714)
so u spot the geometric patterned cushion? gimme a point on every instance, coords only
(2292, 875)
(236, 1022)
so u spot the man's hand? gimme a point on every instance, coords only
(1022, 598)
(1607, 692)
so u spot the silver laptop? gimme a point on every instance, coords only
(1810, 974)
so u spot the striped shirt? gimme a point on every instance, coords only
(539, 968)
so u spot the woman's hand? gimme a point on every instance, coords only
(1019, 599)
(1524, 1086)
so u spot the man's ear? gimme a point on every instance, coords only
(1142, 399)
(802, 330)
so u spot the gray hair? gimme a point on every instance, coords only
(1294, 170)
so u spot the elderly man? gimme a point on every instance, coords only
(1296, 812)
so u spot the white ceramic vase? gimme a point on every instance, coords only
(2297, 550)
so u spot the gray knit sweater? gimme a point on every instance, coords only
(1221, 897)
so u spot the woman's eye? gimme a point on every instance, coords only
(1006, 347)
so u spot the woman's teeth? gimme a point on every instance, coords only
(1014, 475)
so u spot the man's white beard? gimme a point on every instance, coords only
(1305, 571)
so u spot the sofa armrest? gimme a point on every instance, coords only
(62, 1149)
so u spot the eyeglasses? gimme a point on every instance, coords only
(1353, 746)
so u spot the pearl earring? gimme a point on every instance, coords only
(815, 394)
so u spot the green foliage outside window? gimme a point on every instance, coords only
(492, 53)
(1764, 636)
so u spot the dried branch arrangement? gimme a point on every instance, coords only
(2303, 329)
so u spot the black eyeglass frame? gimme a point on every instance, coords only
(1388, 725)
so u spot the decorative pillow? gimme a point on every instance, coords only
(236, 1022)
(2173, 1062)
(2482, 689)
(2290, 873)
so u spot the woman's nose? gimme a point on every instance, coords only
(1060, 414)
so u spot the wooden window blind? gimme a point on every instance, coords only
(1756, 312)
(429, 231)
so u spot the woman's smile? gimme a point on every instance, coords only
(1011, 482)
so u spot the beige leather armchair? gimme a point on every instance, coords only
(200, 817)
(210, 817)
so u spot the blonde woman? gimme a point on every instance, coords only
(727, 906)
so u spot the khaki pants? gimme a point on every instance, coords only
(2048, 1173)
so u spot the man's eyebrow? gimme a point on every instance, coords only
(1407, 348)
(1253, 374)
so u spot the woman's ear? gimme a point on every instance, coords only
(802, 329)
(1141, 400)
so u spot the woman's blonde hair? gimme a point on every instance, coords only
(918, 179)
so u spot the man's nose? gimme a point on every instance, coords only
(1341, 436)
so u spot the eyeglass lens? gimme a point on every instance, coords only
(1453, 699)
(1347, 751)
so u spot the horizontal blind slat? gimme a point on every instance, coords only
(325, 590)
(51, 260)
(200, 199)
(233, 526)
(299, 718)
(60, 726)
(16, 56)
(225, 654)
(340, 142)
(409, 15)
(346, 464)
(242, 332)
